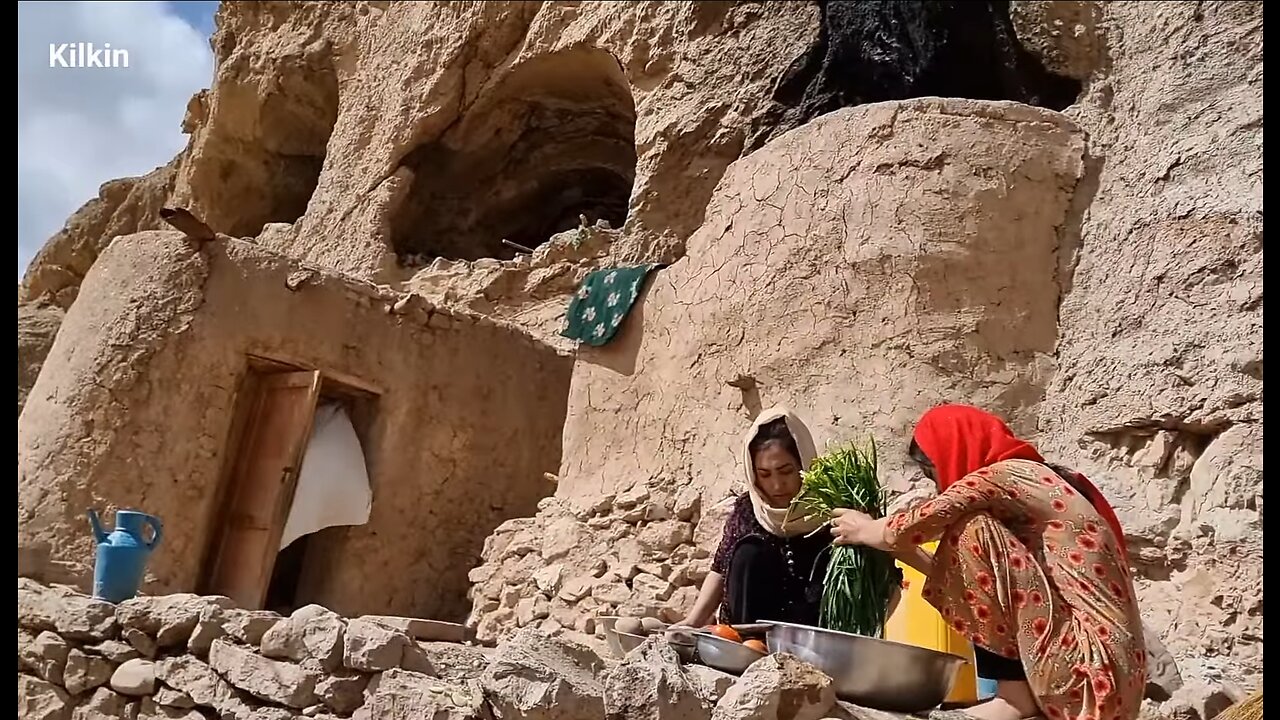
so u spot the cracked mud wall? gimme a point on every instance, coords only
(135, 404)
(1159, 389)
(860, 268)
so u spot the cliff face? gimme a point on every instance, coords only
(1094, 274)
(1158, 389)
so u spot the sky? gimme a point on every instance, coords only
(79, 127)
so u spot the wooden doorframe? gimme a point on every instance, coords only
(247, 403)
(285, 501)
(232, 567)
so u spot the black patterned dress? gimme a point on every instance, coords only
(768, 577)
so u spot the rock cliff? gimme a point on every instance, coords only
(1071, 235)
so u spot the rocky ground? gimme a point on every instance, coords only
(189, 657)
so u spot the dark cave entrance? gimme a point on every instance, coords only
(880, 50)
(552, 143)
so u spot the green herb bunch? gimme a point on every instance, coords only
(859, 580)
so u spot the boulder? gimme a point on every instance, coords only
(248, 626)
(651, 587)
(714, 683)
(778, 687)
(311, 632)
(173, 698)
(451, 661)
(538, 677)
(561, 536)
(85, 672)
(149, 709)
(531, 609)
(419, 629)
(205, 688)
(114, 650)
(135, 677)
(41, 700)
(632, 497)
(343, 691)
(104, 704)
(650, 684)
(664, 536)
(45, 655)
(371, 647)
(140, 641)
(207, 630)
(688, 503)
(576, 588)
(405, 695)
(169, 619)
(72, 615)
(278, 682)
(547, 580)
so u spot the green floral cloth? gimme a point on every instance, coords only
(602, 303)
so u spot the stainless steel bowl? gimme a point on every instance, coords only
(878, 674)
(627, 641)
(724, 655)
(686, 646)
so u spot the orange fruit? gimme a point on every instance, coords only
(726, 632)
(757, 645)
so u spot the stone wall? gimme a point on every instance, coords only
(135, 407)
(187, 657)
(628, 554)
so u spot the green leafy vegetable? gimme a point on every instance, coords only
(859, 580)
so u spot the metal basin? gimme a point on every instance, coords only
(685, 644)
(874, 673)
(627, 641)
(724, 655)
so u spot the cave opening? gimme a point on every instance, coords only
(271, 150)
(295, 128)
(880, 50)
(548, 147)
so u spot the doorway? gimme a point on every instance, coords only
(275, 414)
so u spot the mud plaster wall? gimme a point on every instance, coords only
(136, 398)
(860, 268)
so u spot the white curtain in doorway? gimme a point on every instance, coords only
(333, 484)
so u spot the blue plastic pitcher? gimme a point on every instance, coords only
(122, 554)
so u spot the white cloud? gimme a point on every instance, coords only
(80, 127)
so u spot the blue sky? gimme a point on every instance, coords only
(79, 127)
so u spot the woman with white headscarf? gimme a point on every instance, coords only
(769, 566)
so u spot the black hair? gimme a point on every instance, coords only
(775, 431)
(1066, 473)
(915, 453)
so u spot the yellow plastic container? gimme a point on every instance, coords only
(916, 622)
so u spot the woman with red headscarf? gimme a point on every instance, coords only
(1032, 568)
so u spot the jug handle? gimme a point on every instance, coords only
(154, 522)
(99, 535)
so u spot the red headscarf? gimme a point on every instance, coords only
(960, 439)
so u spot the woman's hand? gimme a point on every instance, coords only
(851, 527)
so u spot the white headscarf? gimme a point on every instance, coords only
(769, 517)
